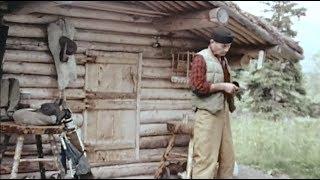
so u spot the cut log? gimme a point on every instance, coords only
(36, 81)
(162, 141)
(35, 68)
(194, 20)
(243, 21)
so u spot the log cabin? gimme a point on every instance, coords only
(124, 95)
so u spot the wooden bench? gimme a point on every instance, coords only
(8, 128)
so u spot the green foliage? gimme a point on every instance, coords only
(275, 89)
(283, 11)
(290, 147)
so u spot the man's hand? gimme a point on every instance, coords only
(230, 88)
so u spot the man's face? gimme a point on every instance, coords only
(219, 49)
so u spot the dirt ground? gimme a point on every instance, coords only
(246, 172)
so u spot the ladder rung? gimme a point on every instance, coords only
(37, 160)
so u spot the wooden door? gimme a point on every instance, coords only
(111, 128)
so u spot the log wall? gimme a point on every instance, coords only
(28, 59)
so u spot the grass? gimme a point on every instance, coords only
(291, 147)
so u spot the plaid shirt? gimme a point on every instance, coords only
(198, 77)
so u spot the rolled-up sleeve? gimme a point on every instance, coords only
(198, 78)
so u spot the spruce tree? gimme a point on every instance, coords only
(277, 88)
(283, 12)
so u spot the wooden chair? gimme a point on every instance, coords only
(8, 128)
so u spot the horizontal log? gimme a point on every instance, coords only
(152, 142)
(25, 167)
(163, 73)
(30, 175)
(36, 56)
(162, 83)
(108, 37)
(118, 7)
(165, 94)
(81, 23)
(32, 44)
(107, 95)
(41, 93)
(36, 81)
(29, 31)
(35, 68)
(180, 127)
(125, 170)
(29, 150)
(30, 139)
(138, 40)
(75, 105)
(147, 50)
(193, 20)
(111, 104)
(284, 52)
(246, 23)
(147, 155)
(151, 176)
(165, 104)
(153, 129)
(163, 63)
(26, 44)
(31, 56)
(163, 116)
(93, 14)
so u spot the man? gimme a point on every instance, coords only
(212, 97)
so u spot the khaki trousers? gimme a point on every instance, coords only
(213, 147)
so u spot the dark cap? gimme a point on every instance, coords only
(222, 35)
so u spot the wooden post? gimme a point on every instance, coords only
(190, 157)
(138, 106)
(17, 155)
(40, 155)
